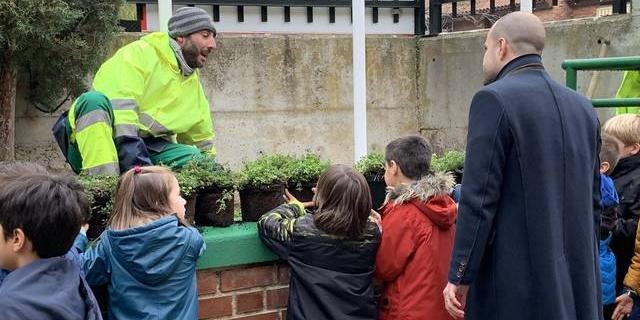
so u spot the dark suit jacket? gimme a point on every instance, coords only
(526, 238)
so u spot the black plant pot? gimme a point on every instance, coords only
(457, 175)
(208, 212)
(378, 189)
(190, 209)
(98, 221)
(255, 202)
(301, 191)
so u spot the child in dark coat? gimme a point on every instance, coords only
(331, 252)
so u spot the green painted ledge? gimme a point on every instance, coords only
(234, 245)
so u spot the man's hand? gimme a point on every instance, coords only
(624, 304)
(455, 299)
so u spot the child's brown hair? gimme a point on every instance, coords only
(609, 152)
(344, 202)
(47, 208)
(412, 154)
(142, 194)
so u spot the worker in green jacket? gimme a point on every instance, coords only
(629, 88)
(147, 105)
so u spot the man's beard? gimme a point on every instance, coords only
(191, 53)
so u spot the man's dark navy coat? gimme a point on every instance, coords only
(526, 232)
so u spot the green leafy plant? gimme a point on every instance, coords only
(264, 171)
(371, 165)
(53, 45)
(100, 191)
(306, 169)
(200, 174)
(57, 43)
(227, 195)
(189, 184)
(448, 162)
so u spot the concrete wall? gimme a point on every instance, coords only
(451, 69)
(292, 94)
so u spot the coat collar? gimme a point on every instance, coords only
(520, 62)
(626, 165)
(427, 187)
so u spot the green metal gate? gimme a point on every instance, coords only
(602, 64)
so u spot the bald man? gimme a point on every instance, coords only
(526, 243)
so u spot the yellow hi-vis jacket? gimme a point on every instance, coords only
(151, 97)
(629, 88)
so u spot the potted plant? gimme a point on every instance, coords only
(371, 167)
(100, 191)
(189, 186)
(303, 174)
(213, 187)
(450, 161)
(261, 185)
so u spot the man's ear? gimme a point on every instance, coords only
(17, 240)
(503, 48)
(635, 148)
(181, 40)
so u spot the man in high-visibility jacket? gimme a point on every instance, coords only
(148, 105)
(629, 88)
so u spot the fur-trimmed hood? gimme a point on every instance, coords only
(429, 186)
(427, 195)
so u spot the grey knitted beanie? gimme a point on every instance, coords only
(188, 20)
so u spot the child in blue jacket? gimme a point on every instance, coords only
(16, 170)
(147, 255)
(608, 201)
(40, 216)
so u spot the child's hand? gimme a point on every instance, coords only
(377, 218)
(288, 197)
(311, 204)
(84, 228)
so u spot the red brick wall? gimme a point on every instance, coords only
(564, 11)
(257, 292)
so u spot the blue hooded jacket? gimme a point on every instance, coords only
(151, 270)
(608, 198)
(45, 289)
(608, 194)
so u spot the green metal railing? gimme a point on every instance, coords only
(600, 64)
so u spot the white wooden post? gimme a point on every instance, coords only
(526, 5)
(359, 82)
(164, 13)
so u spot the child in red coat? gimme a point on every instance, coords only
(417, 234)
